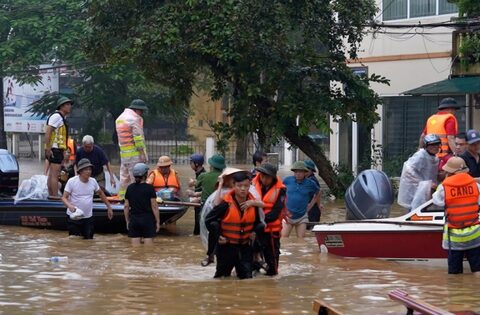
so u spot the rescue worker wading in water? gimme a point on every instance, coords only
(272, 192)
(459, 193)
(240, 222)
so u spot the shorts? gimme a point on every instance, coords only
(303, 219)
(142, 225)
(82, 227)
(57, 156)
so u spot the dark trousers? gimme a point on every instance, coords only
(271, 251)
(455, 260)
(313, 216)
(82, 227)
(196, 228)
(231, 256)
(213, 234)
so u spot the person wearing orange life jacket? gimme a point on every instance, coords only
(165, 177)
(273, 194)
(131, 141)
(240, 222)
(444, 124)
(460, 195)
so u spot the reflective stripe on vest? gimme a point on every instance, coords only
(269, 201)
(461, 201)
(129, 143)
(237, 225)
(159, 180)
(436, 125)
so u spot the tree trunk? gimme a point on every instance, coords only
(315, 152)
(3, 134)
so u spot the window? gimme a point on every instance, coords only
(405, 9)
(444, 7)
(422, 7)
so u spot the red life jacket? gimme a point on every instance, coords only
(159, 180)
(269, 201)
(237, 225)
(461, 201)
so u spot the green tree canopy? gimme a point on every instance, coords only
(280, 60)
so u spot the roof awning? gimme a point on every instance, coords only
(456, 85)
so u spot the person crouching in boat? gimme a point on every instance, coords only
(240, 221)
(165, 177)
(141, 208)
(459, 193)
(78, 197)
(421, 166)
(272, 192)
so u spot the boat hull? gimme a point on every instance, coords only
(50, 214)
(382, 240)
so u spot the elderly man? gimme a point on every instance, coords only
(78, 198)
(165, 177)
(131, 140)
(97, 157)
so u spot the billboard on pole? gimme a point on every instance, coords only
(18, 99)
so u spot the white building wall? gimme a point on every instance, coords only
(408, 57)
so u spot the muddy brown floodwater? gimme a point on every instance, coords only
(108, 276)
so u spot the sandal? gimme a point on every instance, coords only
(207, 261)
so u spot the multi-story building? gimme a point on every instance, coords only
(410, 54)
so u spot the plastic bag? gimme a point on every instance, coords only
(108, 186)
(422, 195)
(33, 188)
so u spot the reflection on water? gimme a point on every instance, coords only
(107, 275)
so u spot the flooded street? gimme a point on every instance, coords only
(107, 275)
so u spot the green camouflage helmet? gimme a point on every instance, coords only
(62, 100)
(138, 104)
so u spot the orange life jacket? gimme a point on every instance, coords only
(269, 201)
(73, 149)
(461, 201)
(436, 125)
(237, 225)
(159, 180)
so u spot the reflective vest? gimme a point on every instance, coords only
(237, 225)
(59, 136)
(73, 149)
(461, 201)
(436, 125)
(159, 180)
(129, 126)
(269, 201)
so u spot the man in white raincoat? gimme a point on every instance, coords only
(131, 140)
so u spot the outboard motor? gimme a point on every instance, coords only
(9, 173)
(370, 196)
